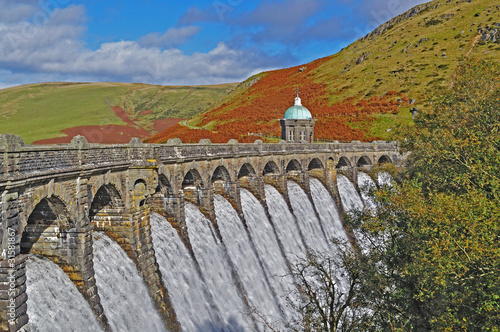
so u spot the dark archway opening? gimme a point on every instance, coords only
(343, 162)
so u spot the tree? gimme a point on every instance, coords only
(437, 228)
(330, 294)
(434, 259)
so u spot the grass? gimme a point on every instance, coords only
(384, 124)
(41, 111)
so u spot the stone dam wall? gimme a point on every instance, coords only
(54, 196)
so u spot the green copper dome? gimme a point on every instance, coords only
(297, 111)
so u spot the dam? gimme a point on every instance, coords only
(198, 236)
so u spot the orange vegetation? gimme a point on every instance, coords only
(259, 108)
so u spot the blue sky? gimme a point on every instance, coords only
(176, 42)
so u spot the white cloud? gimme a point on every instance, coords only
(54, 51)
(16, 11)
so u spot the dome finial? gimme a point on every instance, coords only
(297, 99)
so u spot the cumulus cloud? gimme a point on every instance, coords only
(173, 37)
(16, 11)
(54, 50)
(42, 41)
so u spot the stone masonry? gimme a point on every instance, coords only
(54, 196)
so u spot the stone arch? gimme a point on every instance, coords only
(221, 174)
(271, 168)
(46, 228)
(315, 163)
(384, 160)
(29, 199)
(293, 166)
(246, 170)
(364, 161)
(139, 192)
(220, 180)
(192, 180)
(164, 186)
(106, 204)
(316, 168)
(109, 180)
(192, 184)
(343, 162)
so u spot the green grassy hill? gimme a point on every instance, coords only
(368, 88)
(41, 111)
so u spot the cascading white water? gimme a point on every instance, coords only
(330, 218)
(54, 302)
(187, 290)
(351, 201)
(204, 288)
(348, 194)
(216, 272)
(124, 295)
(384, 179)
(306, 218)
(241, 252)
(365, 184)
(284, 224)
(268, 248)
(328, 212)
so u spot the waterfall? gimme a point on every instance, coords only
(330, 218)
(348, 194)
(228, 269)
(124, 294)
(306, 218)
(187, 290)
(328, 212)
(54, 302)
(248, 267)
(216, 271)
(268, 249)
(352, 201)
(365, 184)
(284, 224)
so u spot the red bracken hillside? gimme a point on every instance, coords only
(258, 109)
(366, 89)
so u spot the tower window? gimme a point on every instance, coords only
(302, 135)
(291, 135)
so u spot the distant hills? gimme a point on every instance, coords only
(365, 90)
(361, 93)
(103, 112)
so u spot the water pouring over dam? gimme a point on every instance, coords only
(206, 233)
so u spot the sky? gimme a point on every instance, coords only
(176, 42)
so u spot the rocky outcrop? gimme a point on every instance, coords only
(389, 24)
(490, 34)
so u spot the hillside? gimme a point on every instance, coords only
(365, 90)
(103, 112)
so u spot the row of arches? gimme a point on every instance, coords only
(362, 161)
(193, 178)
(51, 215)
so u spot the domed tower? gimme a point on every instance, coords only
(297, 124)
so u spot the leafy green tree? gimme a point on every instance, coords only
(437, 230)
(434, 259)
